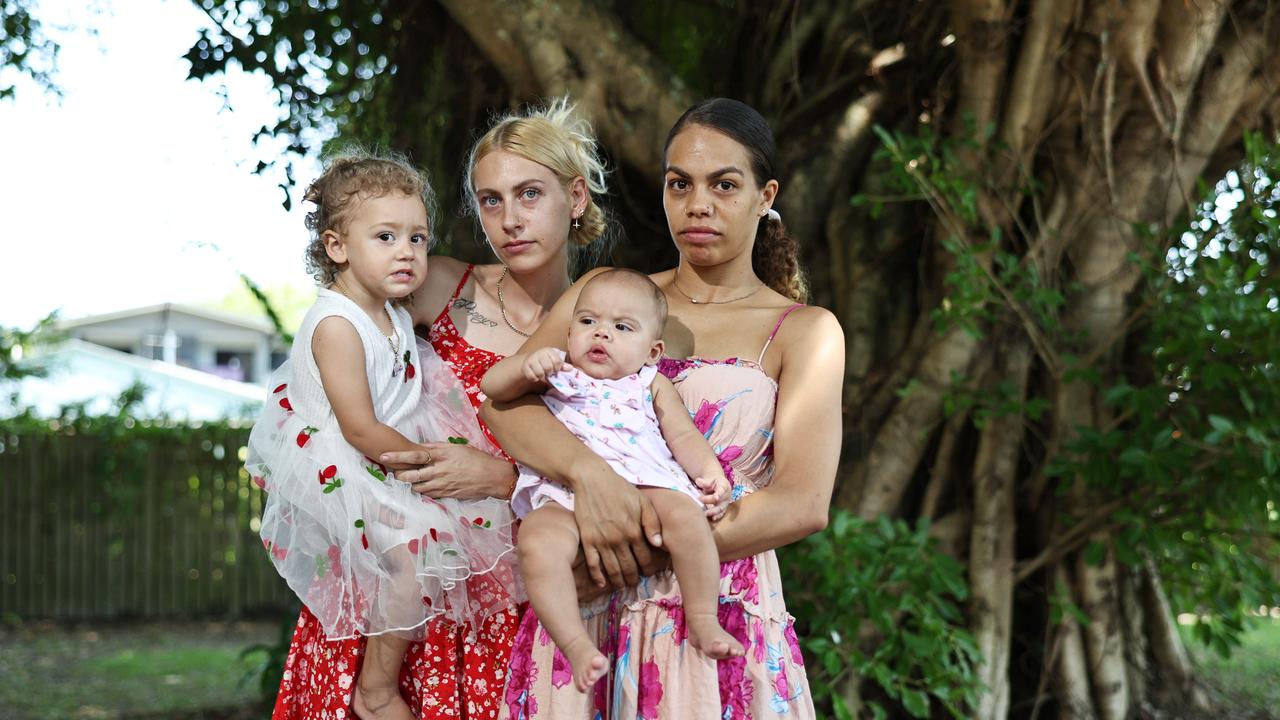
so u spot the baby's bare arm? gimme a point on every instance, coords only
(520, 374)
(688, 445)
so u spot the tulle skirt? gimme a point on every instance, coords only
(364, 552)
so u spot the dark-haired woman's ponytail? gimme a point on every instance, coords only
(776, 260)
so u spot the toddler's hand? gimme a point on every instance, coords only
(717, 495)
(541, 363)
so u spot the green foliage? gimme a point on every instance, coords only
(986, 275)
(24, 47)
(18, 358)
(1191, 449)
(268, 659)
(1197, 444)
(361, 72)
(877, 600)
(269, 307)
(1248, 678)
(126, 440)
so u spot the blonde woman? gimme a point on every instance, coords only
(534, 182)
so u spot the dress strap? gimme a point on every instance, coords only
(466, 274)
(785, 313)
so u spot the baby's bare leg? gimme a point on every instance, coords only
(548, 543)
(687, 536)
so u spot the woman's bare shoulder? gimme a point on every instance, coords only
(443, 274)
(809, 322)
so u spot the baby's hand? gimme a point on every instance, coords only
(717, 495)
(541, 363)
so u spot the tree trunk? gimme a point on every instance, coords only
(1075, 121)
(991, 549)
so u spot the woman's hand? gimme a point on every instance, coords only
(616, 525)
(589, 591)
(442, 469)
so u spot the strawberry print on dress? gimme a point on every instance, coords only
(458, 670)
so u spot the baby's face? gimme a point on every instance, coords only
(614, 331)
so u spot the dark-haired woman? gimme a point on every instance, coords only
(761, 374)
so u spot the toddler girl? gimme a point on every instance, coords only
(610, 395)
(365, 553)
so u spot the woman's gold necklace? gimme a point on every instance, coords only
(502, 306)
(393, 340)
(676, 284)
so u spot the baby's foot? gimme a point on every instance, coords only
(588, 664)
(706, 635)
(380, 702)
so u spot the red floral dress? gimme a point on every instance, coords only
(457, 671)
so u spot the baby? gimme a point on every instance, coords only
(610, 395)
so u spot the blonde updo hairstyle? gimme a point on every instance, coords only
(557, 138)
(349, 179)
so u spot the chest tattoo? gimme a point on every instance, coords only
(472, 315)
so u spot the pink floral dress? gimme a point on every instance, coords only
(654, 672)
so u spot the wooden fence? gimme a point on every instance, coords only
(144, 522)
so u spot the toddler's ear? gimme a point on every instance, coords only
(334, 247)
(655, 353)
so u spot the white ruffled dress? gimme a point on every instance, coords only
(362, 551)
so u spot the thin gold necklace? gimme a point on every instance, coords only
(393, 340)
(502, 306)
(676, 284)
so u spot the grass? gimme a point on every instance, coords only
(1249, 680)
(192, 671)
(167, 670)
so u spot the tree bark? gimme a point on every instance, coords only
(991, 550)
(573, 46)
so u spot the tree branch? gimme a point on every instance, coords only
(555, 48)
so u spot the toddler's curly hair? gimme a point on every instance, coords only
(349, 179)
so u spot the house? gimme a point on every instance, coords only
(228, 346)
(83, 373)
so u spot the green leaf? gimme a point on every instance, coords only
(916, 703)
(458, 440)
(1221, 424)
(1095, 553)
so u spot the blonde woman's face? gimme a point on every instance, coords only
(523, 208)
(712, 202)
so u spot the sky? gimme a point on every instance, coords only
(136, 186)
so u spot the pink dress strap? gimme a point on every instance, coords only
(785, 313)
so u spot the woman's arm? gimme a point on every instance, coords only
(339, 356)
(806, 442)
(614, 519)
